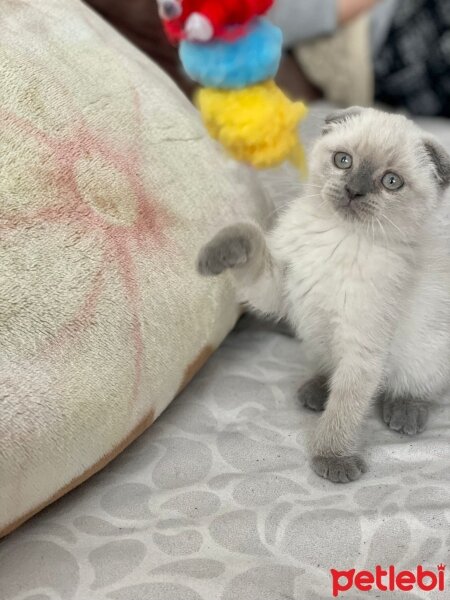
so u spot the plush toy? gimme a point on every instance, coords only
(241, 105)
(201, 20)
(257, 125)
(238, 63)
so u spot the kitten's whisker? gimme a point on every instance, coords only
(368, 224)
(310, 196)
(317, 117)
(383, 230)
(286, 204)
(394, 225)
(318, 206)
(322, 203)
(277, 209)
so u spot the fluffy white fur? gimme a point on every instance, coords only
(366, 284)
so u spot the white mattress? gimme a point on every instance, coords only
(217, 502)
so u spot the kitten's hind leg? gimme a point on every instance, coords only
(314, 393)
(404, 414)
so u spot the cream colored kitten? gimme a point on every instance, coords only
(362, 272)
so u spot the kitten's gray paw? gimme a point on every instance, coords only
(314, 393)
(339, 469)
(230, 248)
(405, 415)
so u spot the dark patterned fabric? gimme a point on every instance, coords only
(413, 68)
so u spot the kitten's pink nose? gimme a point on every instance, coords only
(353, 194)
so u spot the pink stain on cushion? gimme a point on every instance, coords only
(146, 234)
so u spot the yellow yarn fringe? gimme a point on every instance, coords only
(257, 125)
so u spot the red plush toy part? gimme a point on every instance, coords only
(202, 20)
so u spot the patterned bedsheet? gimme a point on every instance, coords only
(216, 500)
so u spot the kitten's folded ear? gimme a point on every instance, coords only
(339, 116)
(440, 161)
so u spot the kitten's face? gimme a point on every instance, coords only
(375, 170)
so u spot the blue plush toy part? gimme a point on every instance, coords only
(246, 61)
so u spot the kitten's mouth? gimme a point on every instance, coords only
(357, 208)
(351, 210)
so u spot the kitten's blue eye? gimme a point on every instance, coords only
(342, 160)
(392, 182)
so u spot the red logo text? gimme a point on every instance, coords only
(388, 579)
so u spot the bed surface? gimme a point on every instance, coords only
(217, 502)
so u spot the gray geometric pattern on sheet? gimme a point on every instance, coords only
(216, 500)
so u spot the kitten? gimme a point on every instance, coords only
(362, 271)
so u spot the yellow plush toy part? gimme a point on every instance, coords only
(241, 105)
(257, 124)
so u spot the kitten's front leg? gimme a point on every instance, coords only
(242, 249)
(334, 446)
(241, 246)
